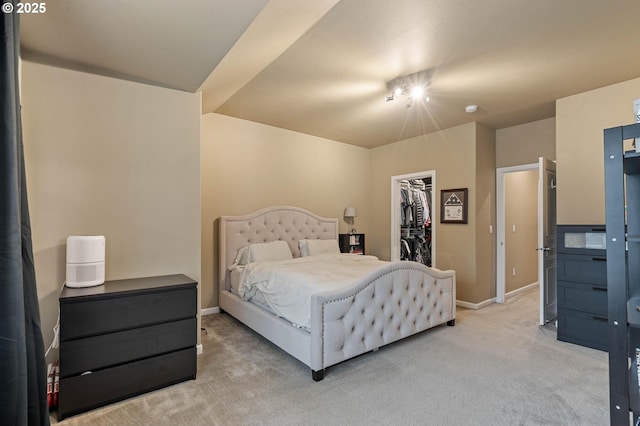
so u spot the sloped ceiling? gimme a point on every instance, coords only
(321, 67)
(173, 44)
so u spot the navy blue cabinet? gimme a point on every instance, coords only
(582, 285)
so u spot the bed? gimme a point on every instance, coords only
(390, 302)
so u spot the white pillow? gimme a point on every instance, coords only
(275, 250)
(241, 258)
(315, 247)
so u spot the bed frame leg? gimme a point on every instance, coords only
(451, 323)
(317, 375)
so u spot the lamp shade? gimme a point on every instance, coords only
(350, 212)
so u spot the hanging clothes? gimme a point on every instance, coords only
(415, 221)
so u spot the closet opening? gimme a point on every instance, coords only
(412, 217)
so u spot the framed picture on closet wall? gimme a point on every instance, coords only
(453, 205)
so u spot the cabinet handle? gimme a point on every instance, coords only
(599, 318)
(598, 229)
(599, 288)
(599, 259)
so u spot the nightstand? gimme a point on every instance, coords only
(351, 243)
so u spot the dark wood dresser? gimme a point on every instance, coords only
(582, 285)
(124, 338)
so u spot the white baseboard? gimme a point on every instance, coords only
(521, 290)
(476, 306)
(209, 311)
(491, 301)
(203, 312)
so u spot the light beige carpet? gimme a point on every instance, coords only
(497, 366)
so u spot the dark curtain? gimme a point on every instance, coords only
(23, 383)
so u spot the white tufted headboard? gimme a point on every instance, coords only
(286, 223)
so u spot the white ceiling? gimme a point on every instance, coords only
(321, 67)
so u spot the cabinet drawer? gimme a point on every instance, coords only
(81, 393)
(583, 329)
(98, 352)
(582, 239)
(583, 297)
(582, 269)
(83, 318)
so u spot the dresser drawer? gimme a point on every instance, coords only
(583, 329)
(590, 240)
(98, 352)
(589, 298)
(91, 317)
(583, 269)
(81, 393)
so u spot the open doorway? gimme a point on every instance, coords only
(545, 248)
(401, 232)
(517, 230)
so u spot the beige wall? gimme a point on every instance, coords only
(485, 200)
(525, 143)
(580, 122)
(247, 166)
(521, 211)
(110, 157)
(452, 153)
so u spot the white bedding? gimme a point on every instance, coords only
(287, 285)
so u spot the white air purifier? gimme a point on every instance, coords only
(85, 260)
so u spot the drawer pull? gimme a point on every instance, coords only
(598, 230)
(599, 288)
(599, 318)
(599, 259)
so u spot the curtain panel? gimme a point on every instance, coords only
(23, 392)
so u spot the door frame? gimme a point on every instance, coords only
(395, 213)
(501, 225)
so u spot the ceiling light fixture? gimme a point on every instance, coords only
(471, 108)
(413, 86)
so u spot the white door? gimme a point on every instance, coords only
(547, 257)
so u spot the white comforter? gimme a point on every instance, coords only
(287, 285)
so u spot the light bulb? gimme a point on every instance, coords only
(417, 92)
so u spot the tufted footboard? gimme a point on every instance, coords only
(394, 302)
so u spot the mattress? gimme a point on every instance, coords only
(286, 286)
(258, 299)
(234, 276)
